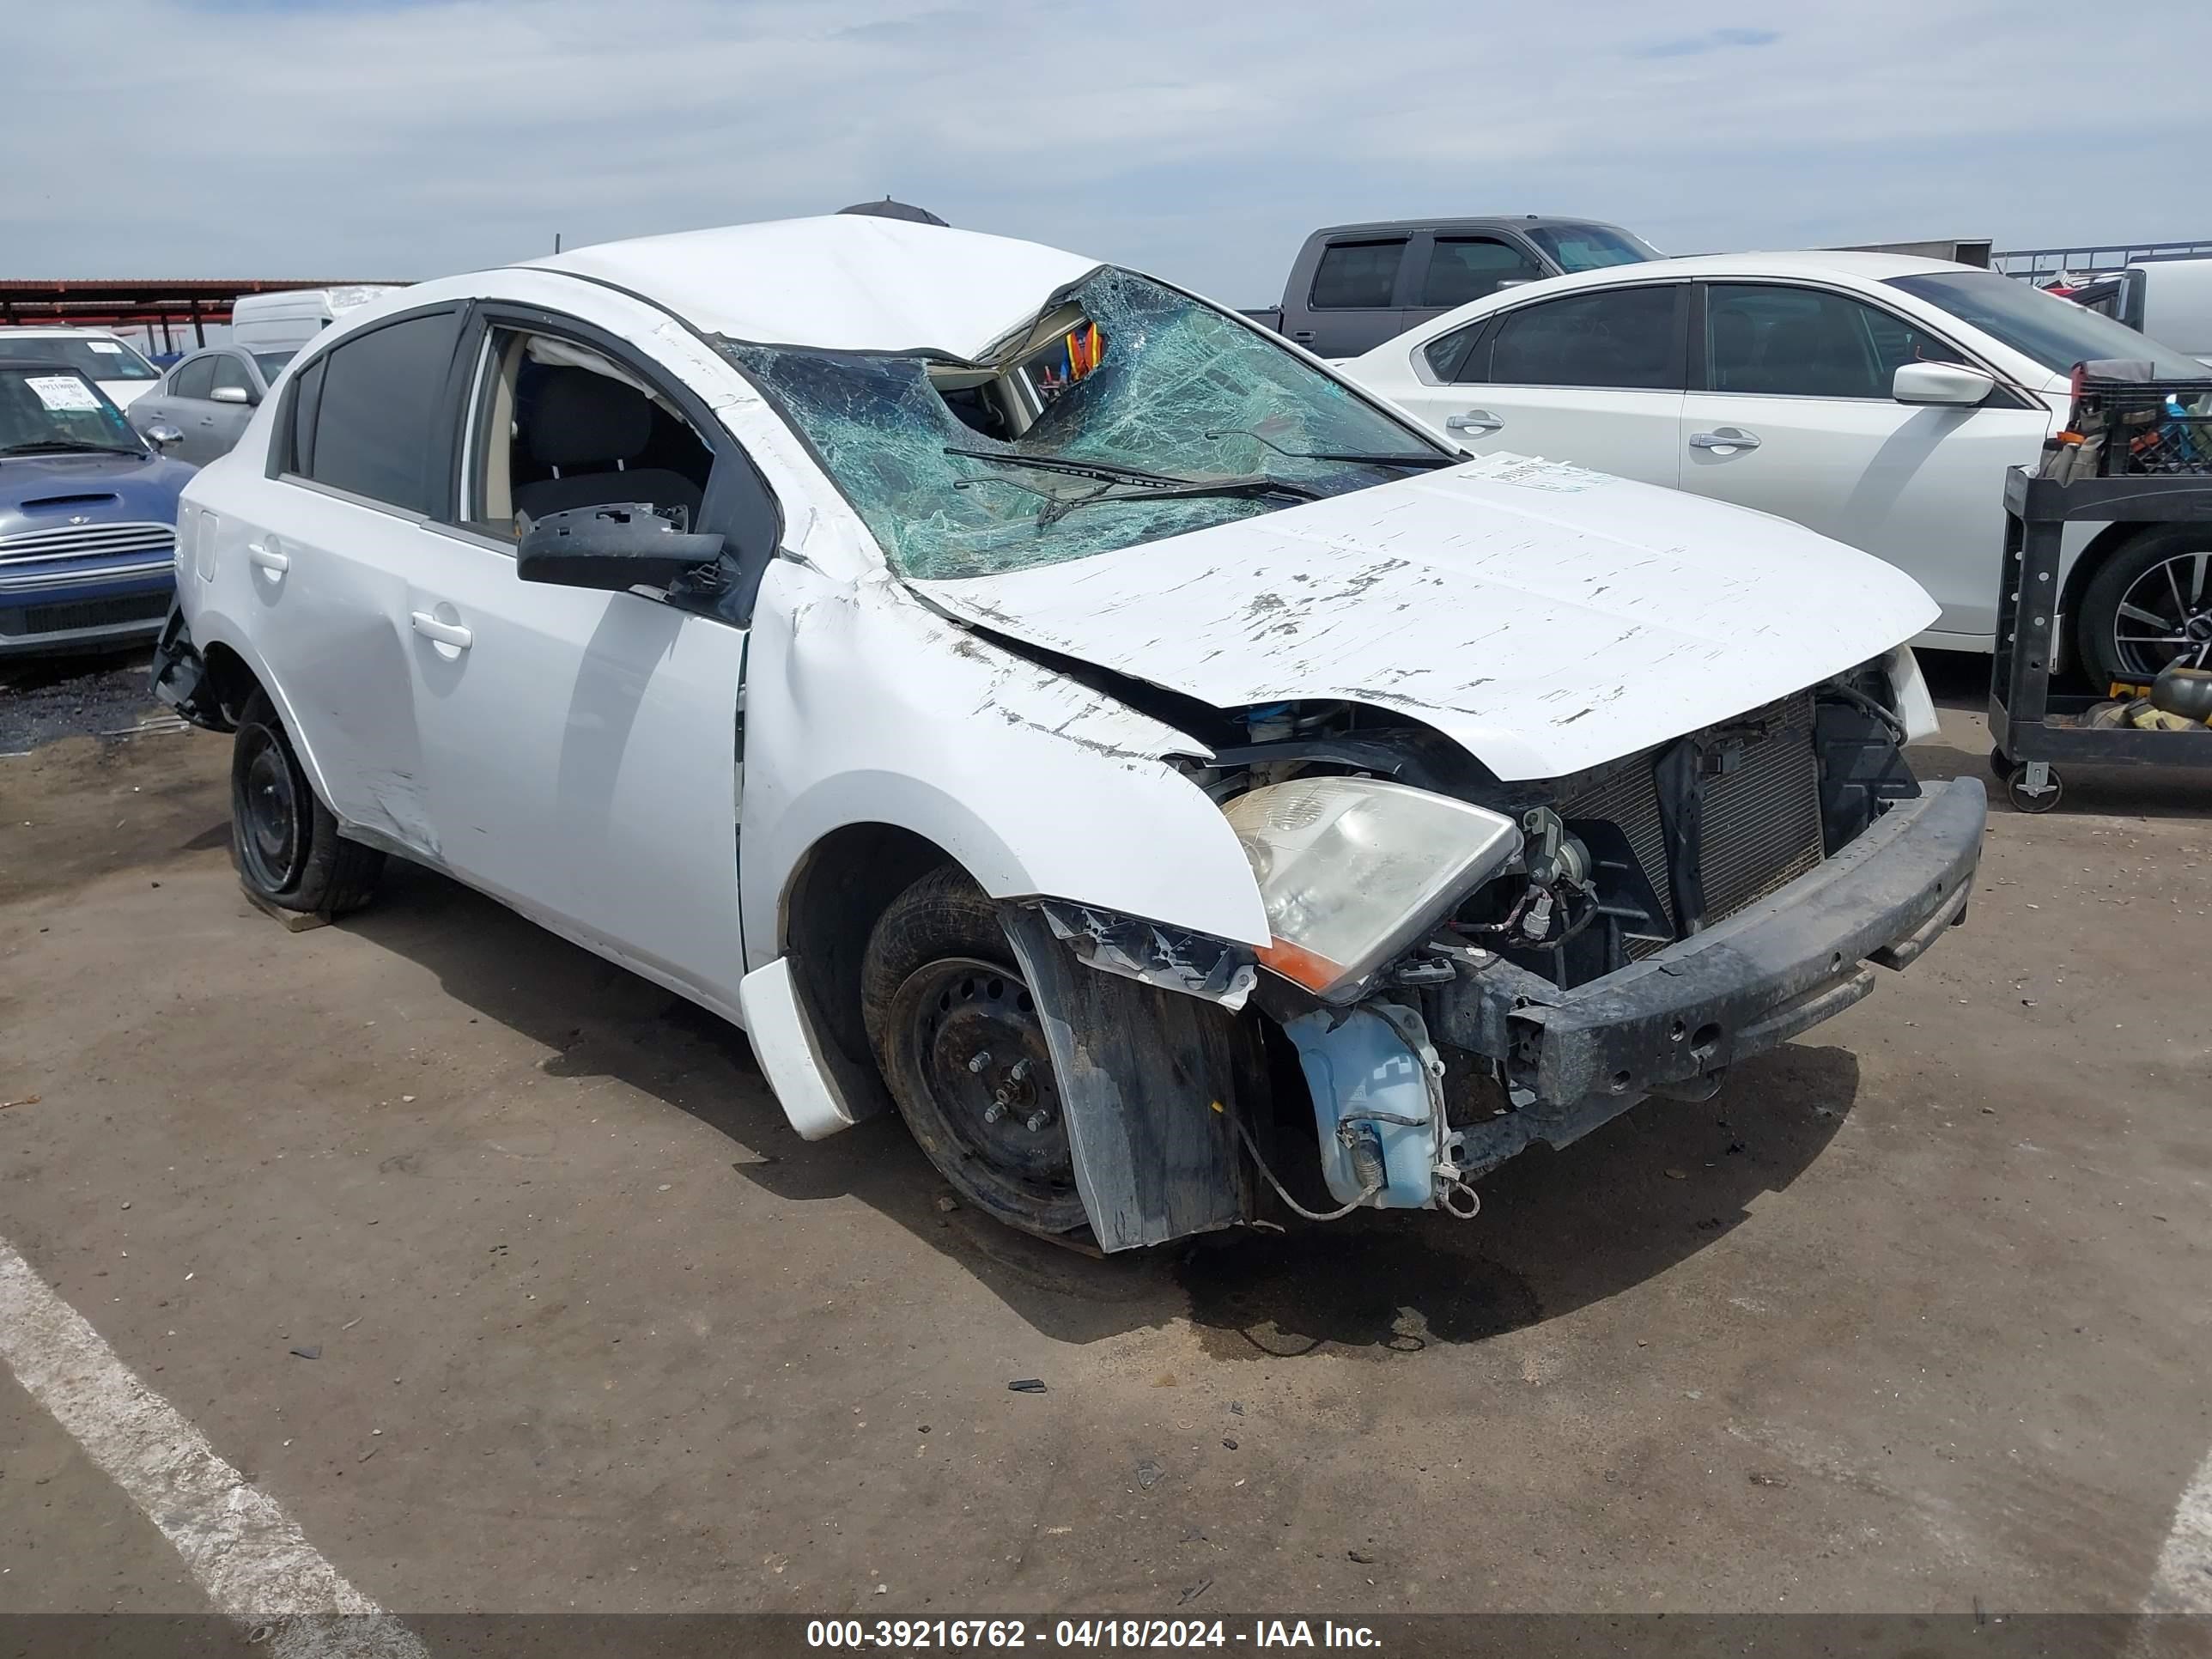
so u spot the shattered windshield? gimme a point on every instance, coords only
(1159, 416)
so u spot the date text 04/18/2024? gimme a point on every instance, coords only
(917, 1634)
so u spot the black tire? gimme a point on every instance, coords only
(2104, 646)
(284, 840)
(2000, 765)
(956, 1033)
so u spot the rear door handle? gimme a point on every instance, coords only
(268, 557)
(1726, 437)
(1476, 419)
(444, 633)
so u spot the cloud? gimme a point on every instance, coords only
(1689, 45)
(366, 138)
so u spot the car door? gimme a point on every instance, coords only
(1352, 302)
(185, 405)
(1457, 270)
(581, 747)
(1594, 377)
(1791, 412)
(331, 548)
(231, 397)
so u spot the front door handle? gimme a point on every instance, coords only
(268, 557)
(1725, 437)
(444, 633)
(1476, 419)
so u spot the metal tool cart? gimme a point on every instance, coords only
(2137, 452)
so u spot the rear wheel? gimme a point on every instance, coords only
(284, 840)
(962, 1048)
(2149, 604)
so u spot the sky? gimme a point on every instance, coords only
(371, 139)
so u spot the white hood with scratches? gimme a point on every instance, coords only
(1547, 619)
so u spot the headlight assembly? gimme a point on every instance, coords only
(1353, 871)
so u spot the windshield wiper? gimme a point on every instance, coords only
(1108, 471)
(1253, 485)
(1424, 459)
(65, 446)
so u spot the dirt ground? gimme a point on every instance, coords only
(1912, 1317)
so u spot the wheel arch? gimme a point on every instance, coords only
(238, 671)
(836, 892)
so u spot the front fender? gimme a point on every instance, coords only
(863, 706)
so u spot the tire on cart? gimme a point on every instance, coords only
(2024, 799)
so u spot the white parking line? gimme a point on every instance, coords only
(245, 1552)
(2183, 1582)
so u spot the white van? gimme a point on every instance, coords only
(265, 322)
(2169, 299)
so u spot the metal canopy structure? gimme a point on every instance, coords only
(170, 305)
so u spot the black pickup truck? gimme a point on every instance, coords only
(1354, 286)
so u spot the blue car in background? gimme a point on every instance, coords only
(88, 516)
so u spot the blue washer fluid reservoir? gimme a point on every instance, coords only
(1362, 1063)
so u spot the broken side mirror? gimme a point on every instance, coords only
(613, 548)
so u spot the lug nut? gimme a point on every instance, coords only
(1038, 1120)
(1019, 1070)
(981, 1061)
(994, 1111)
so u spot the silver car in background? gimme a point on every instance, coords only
(210, 397)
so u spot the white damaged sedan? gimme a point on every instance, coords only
(1025, 694)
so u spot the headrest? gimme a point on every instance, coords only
(581, 416)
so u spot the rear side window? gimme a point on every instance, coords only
(1445, 352)
(1623, 337)
(1357, 275)
(1463, 268)
(194, 379)
(365, 418)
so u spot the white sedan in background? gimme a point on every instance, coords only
(1874, 397)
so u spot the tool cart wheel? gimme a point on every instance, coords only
(2001, 765)
(2042, 800)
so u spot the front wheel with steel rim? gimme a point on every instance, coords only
(284, 840)
(961, 1044)
(2150, 605)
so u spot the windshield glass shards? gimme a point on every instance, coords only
(1127, 413)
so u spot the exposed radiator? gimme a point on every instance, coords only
(1761, 822)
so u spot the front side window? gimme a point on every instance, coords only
(561, 425)
(1187, 418)
(1357, 275)
(2054, 332)
(370, 419)
(94, 358)
(229, 372)
(1465, 269)
(194, 379)
(1763, 338)
(56, 412)
(272, 364)
(1622, 337)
